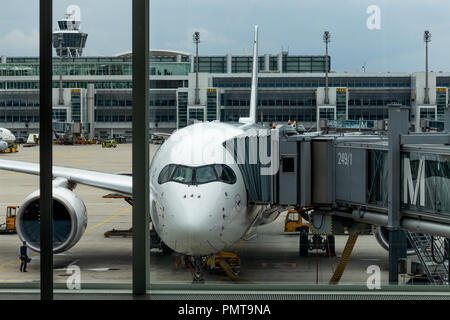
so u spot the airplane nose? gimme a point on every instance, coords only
(3, 146)
(192, 226)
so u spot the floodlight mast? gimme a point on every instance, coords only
(326, 40)
(426, 39)
(61, 96)
(196, 38)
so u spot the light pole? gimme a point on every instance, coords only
(61, 98)
(426, 39)
(326, 39)
(196, 38)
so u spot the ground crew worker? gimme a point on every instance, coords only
(23, 254)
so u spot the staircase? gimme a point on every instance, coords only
(432, 253)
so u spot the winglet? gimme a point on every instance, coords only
(254, 90)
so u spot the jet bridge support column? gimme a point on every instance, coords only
(398, 125)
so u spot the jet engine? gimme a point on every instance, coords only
(382, 236)
(69, 219)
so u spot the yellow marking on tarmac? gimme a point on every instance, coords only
(109, 219)
(10, 265)
(87, 230)
(62, 155)
(16, 262)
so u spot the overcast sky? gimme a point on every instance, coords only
(226, 26)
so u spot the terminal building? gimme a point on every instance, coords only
(97, 92)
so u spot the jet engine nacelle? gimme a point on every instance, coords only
(382, 236)
(69, 220)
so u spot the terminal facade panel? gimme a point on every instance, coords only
(291, 88)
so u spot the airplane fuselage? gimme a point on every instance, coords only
(198, 206)
(7, 136)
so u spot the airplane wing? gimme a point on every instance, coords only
(107, 181)
(164, 135)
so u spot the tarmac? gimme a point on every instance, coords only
(268, 256)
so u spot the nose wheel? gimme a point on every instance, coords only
(196, 264)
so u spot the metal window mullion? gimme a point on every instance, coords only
(141, 189)
(398, 126)
(45, 150)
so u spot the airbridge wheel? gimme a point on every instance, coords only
(303, 241)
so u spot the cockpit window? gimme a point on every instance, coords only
(225, 173)
(183, 174)
(197, 175)
(166, 173)
(205, 174)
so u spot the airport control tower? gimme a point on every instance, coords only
(69, 41)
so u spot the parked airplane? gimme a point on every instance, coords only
(6, 139)
(198, 202)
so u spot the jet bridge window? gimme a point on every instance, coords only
(288, 164)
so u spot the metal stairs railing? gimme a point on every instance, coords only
(432, 253)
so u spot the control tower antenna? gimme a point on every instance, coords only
(326, 40)
(426, 39)
(61, 96)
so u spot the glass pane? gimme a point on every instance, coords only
(19, 117)
(237, 221)
(166, 174)
(225, 173)
(183, 174)
(205, 174)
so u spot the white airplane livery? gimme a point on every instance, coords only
(6, 138)
(210, 195)
(198, 201)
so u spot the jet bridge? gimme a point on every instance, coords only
(397, 180)
(349, 174)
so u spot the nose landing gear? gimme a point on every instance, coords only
(196, 264)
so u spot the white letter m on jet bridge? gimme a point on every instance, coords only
(408, 185)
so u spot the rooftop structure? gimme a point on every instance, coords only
(291, 87)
